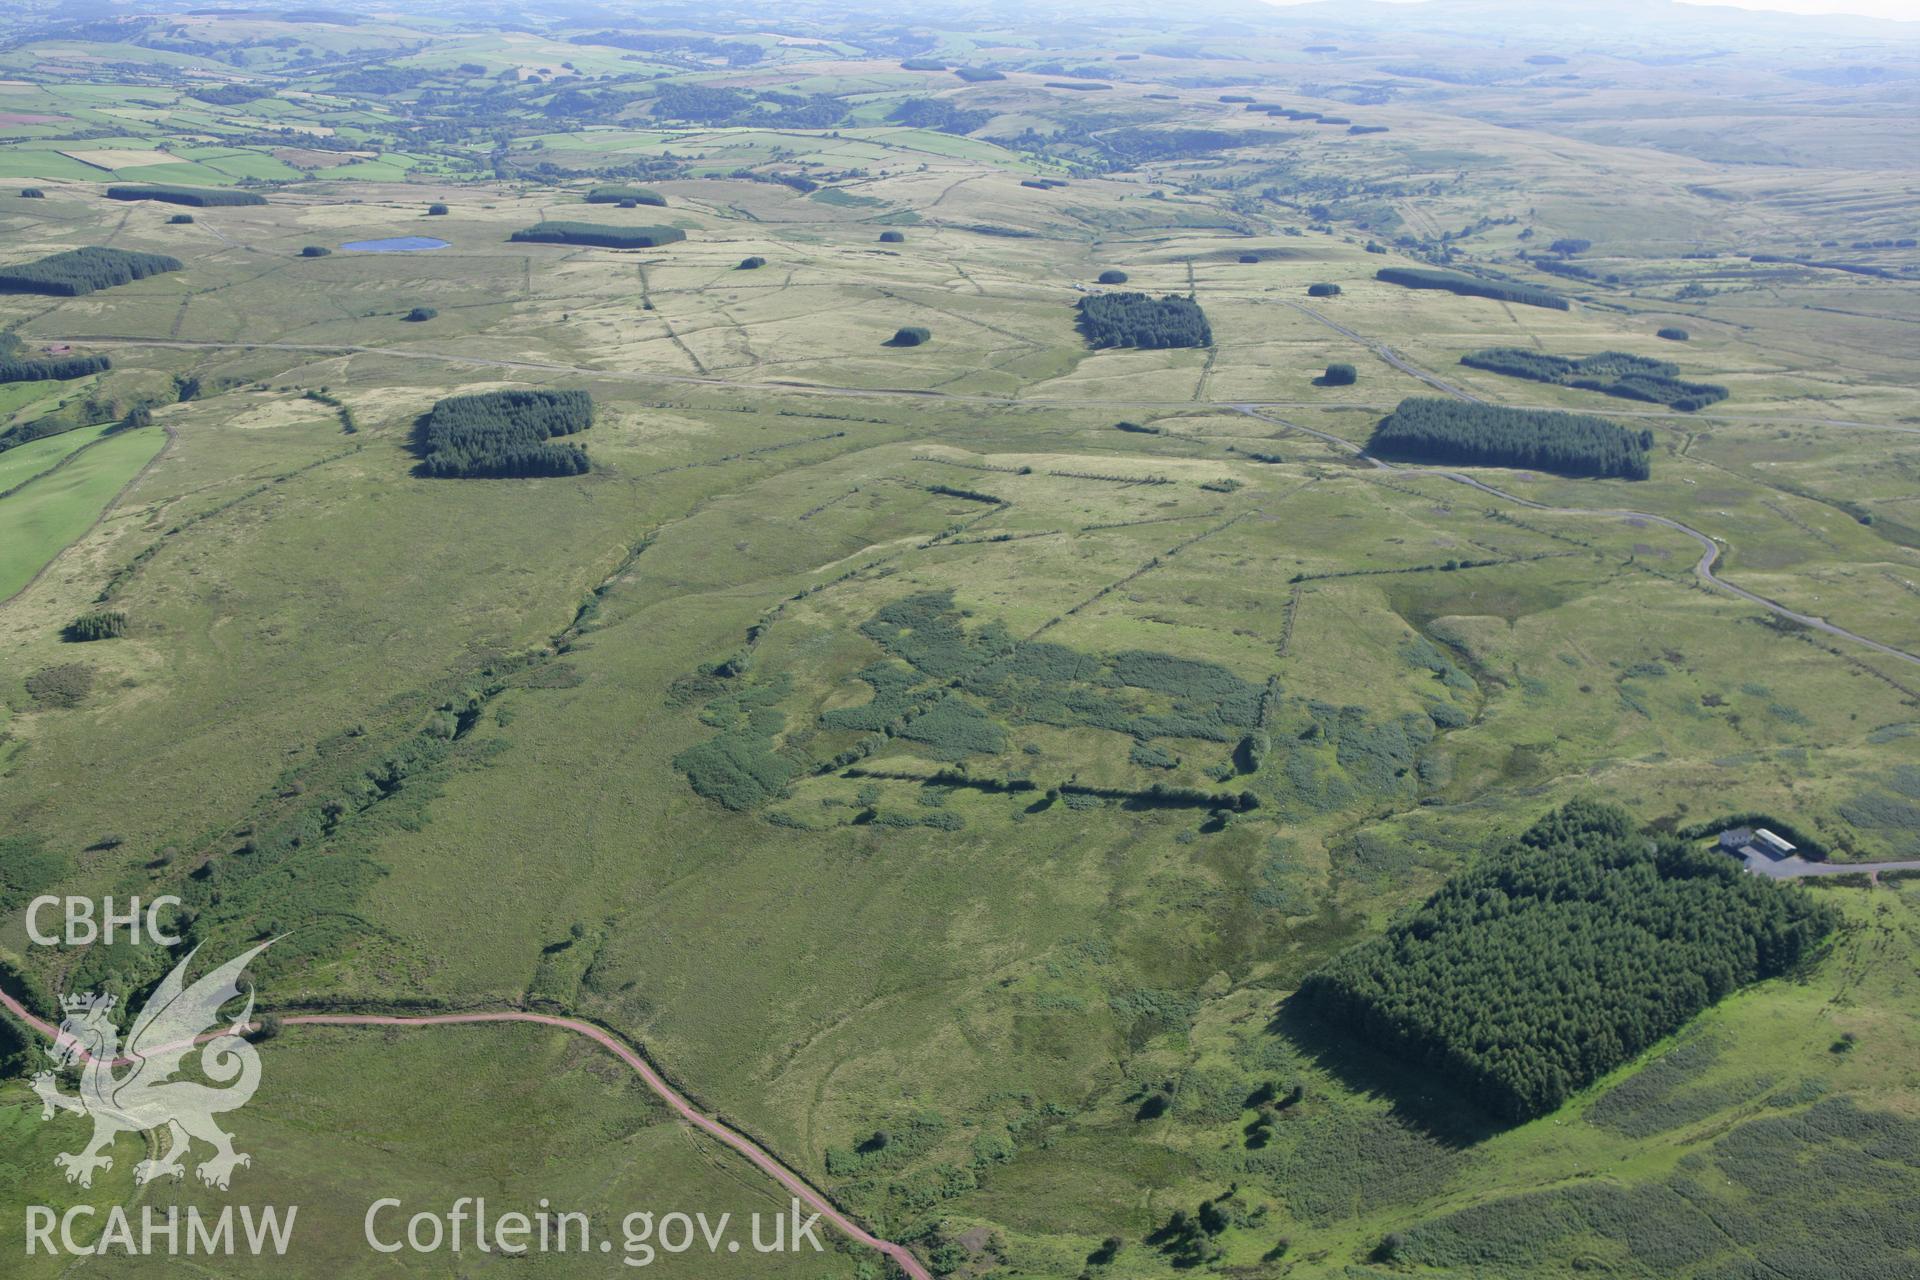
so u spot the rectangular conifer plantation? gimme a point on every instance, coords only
(593, 233)
(1532, 974)
(1137, 320)
(198, 197)
(1429, 429)
(498, 434)
(80, 271)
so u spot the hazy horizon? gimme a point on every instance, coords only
(1890, 10)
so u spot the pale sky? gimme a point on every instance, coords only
(1898, 10)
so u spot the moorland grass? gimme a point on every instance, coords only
(1032, 972)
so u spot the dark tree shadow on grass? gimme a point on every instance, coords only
(417, 445)
(1416, 1098)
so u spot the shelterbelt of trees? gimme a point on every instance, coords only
(597, 234)
(1533, 974)
(1613, 373)
(1470, 286)
(621, 195)
(199, 197)
(59, 369)
(505, 433)
(1429, 429)
(81, 271)
(1136, 320)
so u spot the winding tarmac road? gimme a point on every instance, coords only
(1388, 354)
(1799, 868)
(747, 1147)
(753, 1151)
(1709, 548)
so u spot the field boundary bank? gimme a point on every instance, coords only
(911, 393)
(1709, 548)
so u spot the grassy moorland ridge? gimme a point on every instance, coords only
(950, 759)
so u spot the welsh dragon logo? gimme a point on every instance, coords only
(133, 1091)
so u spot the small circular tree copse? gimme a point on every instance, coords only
(32, 193)
(180, 219)
(752, 264)
(1111, 276)
(421, 313)
(1673, 335)
(893, 237)
(1339, 375)
(910, 335)
(1323, 291)
(436, 210)
(1249, 258)
(315, 251)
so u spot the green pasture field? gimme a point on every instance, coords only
(24, 401)
(243, 164)
(43, 517)
(21, 163)
(981, 932)
(389, 168)
(25, 461)
(524, 51)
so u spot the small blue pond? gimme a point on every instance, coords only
(397, 244)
